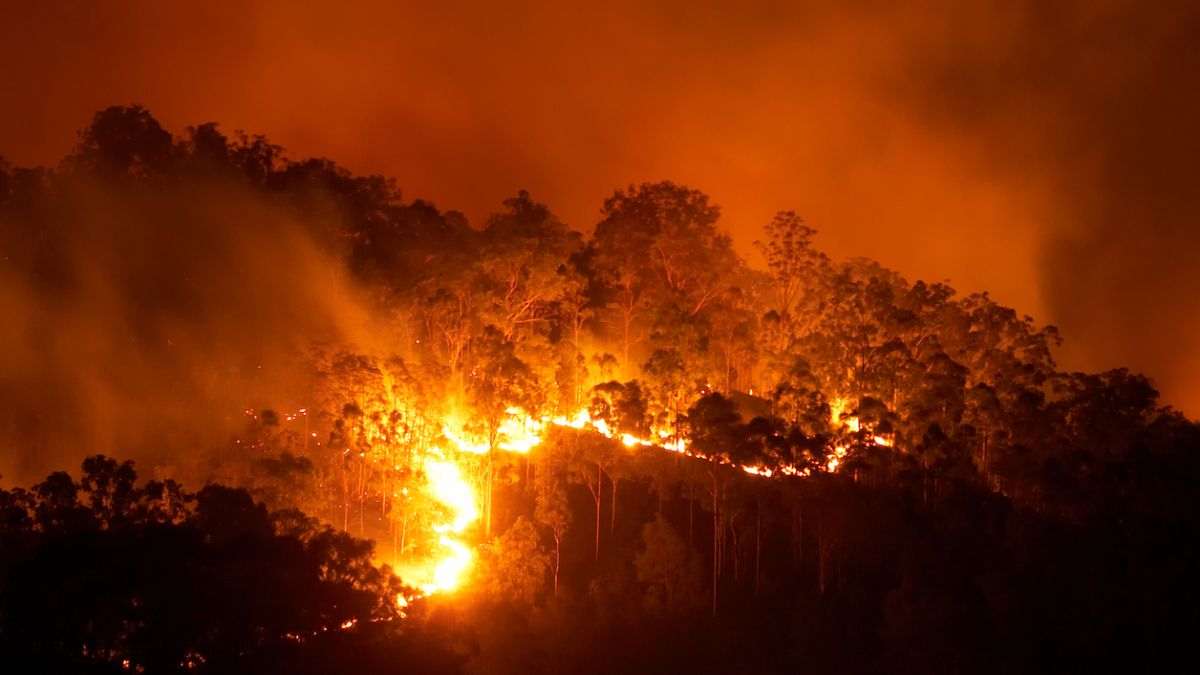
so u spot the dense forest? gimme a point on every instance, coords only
(662, 458)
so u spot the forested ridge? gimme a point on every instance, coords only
(680, 462)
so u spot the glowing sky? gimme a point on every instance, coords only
(1042, 151)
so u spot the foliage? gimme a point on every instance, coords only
(515, 564)
(669, 571)
(103, 575)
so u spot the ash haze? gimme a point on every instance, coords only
(1041, 151)
(157, 319)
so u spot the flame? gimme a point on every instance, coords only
(448, 487)
(518, 432)
(583, 420)
(835, 460)
(521, 432)
(463, 443)
(629, 441)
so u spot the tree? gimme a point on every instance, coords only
(229, 587)
(123, 142)
(797, 275)
(57, 506)
(798, 399)
(110, 489)
(523, 266)
(499, 383)
(667, 569)
(793, 265)
(656, 245)
(551, 508)
(515, 564)
(621, 407)
(713, 428)
(591, 454)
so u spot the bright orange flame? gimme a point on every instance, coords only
(520, 432)
(463, 443)
(449, 488)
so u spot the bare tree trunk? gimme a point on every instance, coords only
(826, 543)
(599, 496)
(345, 500)
(404, 533)
(716, 560)
(757, 545)
(612, 522)
(716, 545)
(820, 558)
(557, 557)
(691, 517)
(800, 535)
(488, 504)
(331, 499)
(737, 553)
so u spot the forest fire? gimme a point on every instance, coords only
(524, 442)
(521, 433)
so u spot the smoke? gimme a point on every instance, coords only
(1041, 151)
(1096, 104)
(139, 322)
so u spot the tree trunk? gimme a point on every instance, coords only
(404, 533)
(826, 544)
(557, 556)
(757, 545)
(345, 500)
(612, 521)
(820, 559)
(737, 553)
(488, 501)
(599, 496)
(691, 520)
(716, 534)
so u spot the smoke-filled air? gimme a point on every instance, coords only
(559, 376)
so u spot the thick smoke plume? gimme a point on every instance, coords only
(1089, 110)
(149, 319)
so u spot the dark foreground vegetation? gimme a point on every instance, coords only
(104, 575)
(828, 575)
(986, 512)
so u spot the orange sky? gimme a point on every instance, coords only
(1035, 150)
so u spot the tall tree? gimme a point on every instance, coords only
(658, 244)
(123, 142)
